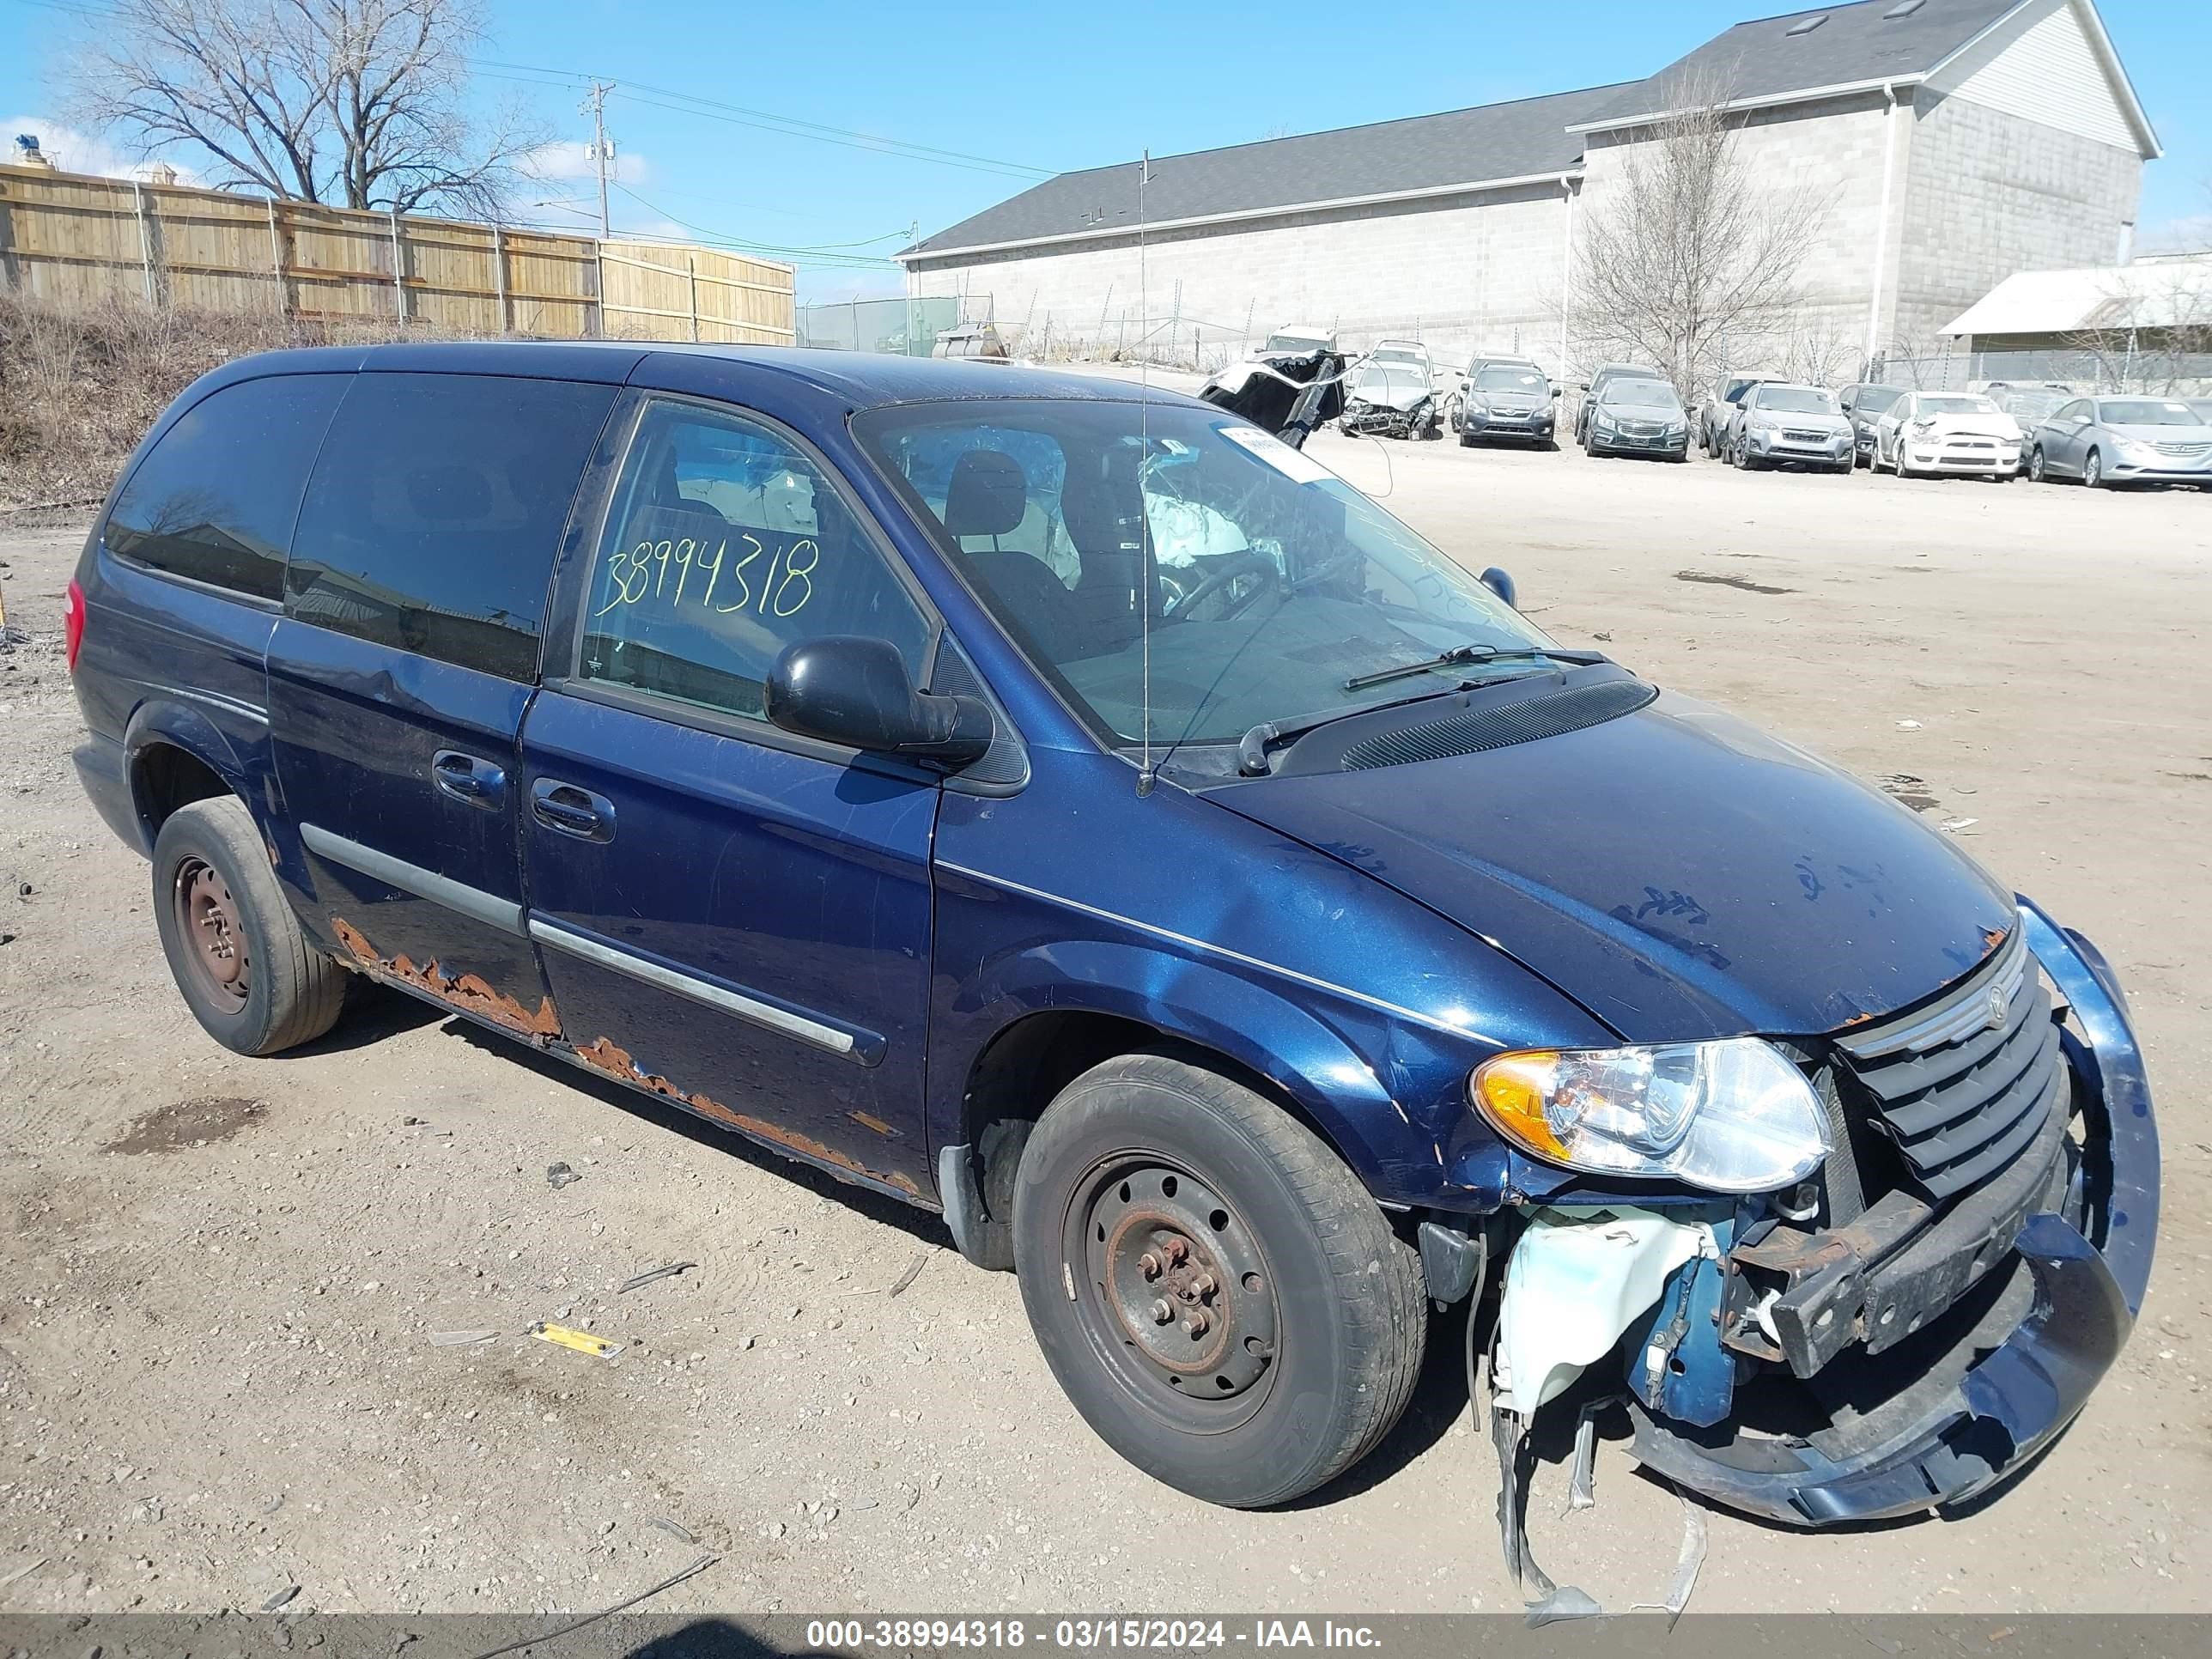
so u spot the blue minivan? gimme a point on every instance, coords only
(1071, 808)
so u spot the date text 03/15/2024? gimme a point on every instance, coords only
(1149, 1635)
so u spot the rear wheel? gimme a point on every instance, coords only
(1220, 1299)
(236, 948)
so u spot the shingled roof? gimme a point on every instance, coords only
(1422, 154)
(1776, 58)
(1773, 60)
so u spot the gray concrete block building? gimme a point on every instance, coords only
(1951, 142)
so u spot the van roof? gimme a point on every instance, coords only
(862, 378)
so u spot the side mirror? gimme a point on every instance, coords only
(855, 691)
(1555, 392)
(1502, 585)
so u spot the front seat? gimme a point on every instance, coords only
(989, 495)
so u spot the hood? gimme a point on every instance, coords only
(1675, 870)
(1993, 425)
(1393, 388)
(2189, 437)
(1836, 421)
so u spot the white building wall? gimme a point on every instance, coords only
(1992, 193)
(2048, 72)
(1474, 272)
(1834, 150)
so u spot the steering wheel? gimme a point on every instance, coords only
(1232, 567)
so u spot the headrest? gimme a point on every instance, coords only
(987, 495)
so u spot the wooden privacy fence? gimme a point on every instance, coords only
(72, 237)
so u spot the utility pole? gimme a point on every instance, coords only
(597, 104)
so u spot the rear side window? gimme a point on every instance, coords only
(434, 515)
(215, 497)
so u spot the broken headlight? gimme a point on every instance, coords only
(1731, 1117)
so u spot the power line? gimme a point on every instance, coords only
(770, 121)
(813, 257)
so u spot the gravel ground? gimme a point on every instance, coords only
(218, 1379)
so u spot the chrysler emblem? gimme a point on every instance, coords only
(1997, 1009)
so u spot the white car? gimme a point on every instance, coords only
(1393, 391)
(1926, 432)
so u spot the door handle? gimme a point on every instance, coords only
(471, 782)
(572, 812)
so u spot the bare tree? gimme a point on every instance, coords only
(356, 103)
(1687, 257)
(2152, 328)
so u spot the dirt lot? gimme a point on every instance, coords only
(216, 1379)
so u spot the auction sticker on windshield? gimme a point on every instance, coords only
(1294, 465)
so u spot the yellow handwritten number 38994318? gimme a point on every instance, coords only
(642, 573)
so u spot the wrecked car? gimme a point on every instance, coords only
(1392, 391)
(1254, 963)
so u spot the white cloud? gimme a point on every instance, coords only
(554, 162)
(73, 151)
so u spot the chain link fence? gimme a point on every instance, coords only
(2158, 372)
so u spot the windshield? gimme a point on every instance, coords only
(1395, 355)
(1958, 403)
(1268, 581)
(1642, 394)
(1509, 379)
(1796, 399)
(2148, 411)
(1873, 399)
(1293, 343)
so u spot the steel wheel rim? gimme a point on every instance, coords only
(208, 929)
(1144, 1233)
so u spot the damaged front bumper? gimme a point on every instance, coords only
(2051, 1318)
(1361, 417)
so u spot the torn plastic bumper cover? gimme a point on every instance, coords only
(2079, 1302)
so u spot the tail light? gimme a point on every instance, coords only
(73, 625)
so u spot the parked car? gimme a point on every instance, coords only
(970, 340)
(1502, 399)
(1639, 417)
(1716, 413)
(1393, 390)
(1593, 388)
(2109, 441)
(1866, 402)
(2029, 407)
(1926, 432)
(805, 741)
(1299, 339)
(1779, 424)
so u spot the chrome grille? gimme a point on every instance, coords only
(2185, 451)
(1963, 1085)
(1795, 436)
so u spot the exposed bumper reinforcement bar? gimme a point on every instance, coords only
(2022, 1393)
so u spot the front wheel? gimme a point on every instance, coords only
(1217, 1295)
(2035, 466)
(2092, 471)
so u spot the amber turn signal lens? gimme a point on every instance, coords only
(1510, 1091)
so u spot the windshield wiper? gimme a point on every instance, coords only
(1464, 655)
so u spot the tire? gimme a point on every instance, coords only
(1745, 461)
(1304, 1262)
(218, 908)
(1466, 439)
(2037, 472)
(2092, 471)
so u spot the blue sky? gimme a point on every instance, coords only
(1009, 87)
